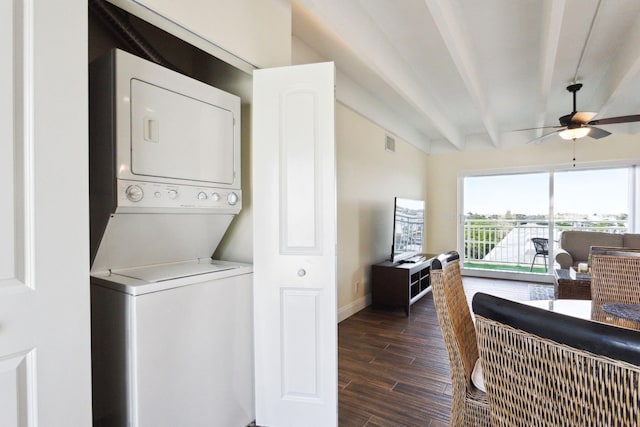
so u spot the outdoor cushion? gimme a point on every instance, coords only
(578, 243)
(476, 376)
(631, 241)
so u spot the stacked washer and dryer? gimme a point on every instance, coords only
(172, 340)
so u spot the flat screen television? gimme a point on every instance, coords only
(408, 230)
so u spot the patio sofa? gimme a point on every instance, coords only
(575, 245)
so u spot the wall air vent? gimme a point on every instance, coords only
(390, 144)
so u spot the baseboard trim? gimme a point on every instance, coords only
(354, 307)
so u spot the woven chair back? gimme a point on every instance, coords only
(455, 319)
(468, 406)
(534, 380)
(615, 275)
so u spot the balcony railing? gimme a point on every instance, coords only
(506, 243)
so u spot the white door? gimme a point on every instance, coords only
(294, 211)
(45, 376)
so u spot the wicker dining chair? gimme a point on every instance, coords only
(615, 275)
(547, 369)
(469, 406)
(615, 281)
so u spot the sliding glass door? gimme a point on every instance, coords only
(506, 215)
(503, 213)
(592, 200)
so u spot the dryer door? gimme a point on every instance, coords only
(176, 136)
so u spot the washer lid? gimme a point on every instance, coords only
(161, 273)
(134, 240)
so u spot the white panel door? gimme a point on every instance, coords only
(45, 376)
(294, 202)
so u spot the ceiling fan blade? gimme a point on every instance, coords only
(543, 137)
(582, 117)
(614, 120)
(541, 127)
(598, 133)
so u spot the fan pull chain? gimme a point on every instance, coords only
(574, 152)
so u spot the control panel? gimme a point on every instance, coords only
(158, 195)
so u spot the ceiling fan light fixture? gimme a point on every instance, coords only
(575, 133)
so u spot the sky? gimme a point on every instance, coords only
(587, 192)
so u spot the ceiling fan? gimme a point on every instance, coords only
(578, 124)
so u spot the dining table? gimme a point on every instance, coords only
(613, 313)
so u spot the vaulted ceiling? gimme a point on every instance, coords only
(463, 74)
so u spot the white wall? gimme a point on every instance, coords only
(256, 31)
(369, 177)
(445, 169)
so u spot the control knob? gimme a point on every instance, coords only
(232, 199)
(173, 194)
(202, 195)
(134, 193)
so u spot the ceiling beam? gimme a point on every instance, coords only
(350, 24)
(622, 71)
(312, 42)
(454, 36)
(554, 12)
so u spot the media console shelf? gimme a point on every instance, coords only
(400, 285)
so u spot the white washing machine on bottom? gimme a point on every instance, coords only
(172, 345)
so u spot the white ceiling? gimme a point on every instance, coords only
(463, 74)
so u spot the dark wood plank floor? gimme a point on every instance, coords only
(394, 370)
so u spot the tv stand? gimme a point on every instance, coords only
(414, 259)
(400, 284)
